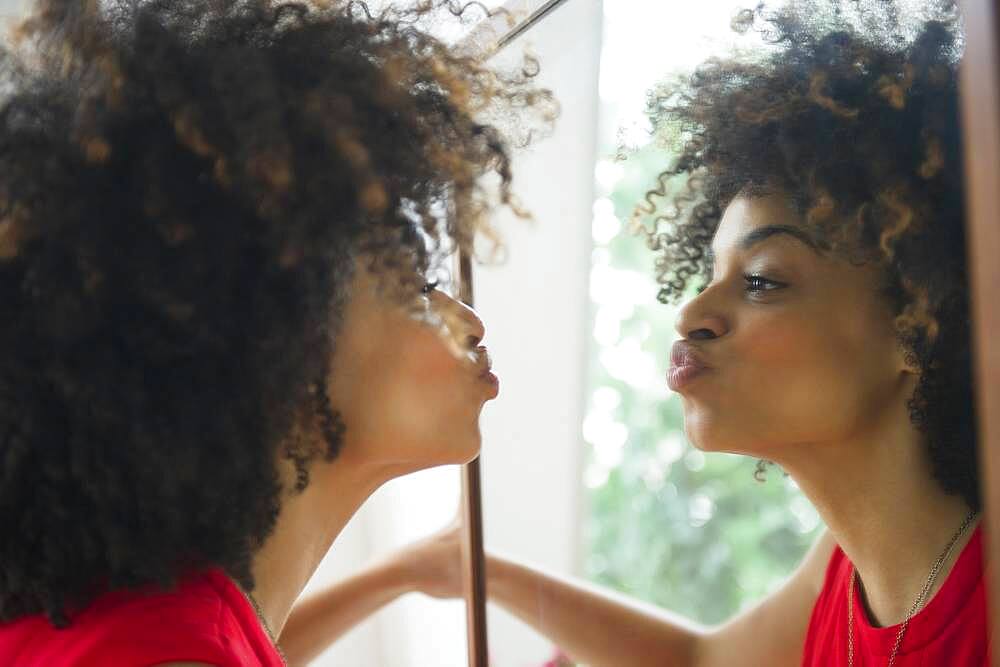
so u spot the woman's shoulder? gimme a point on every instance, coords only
(198, 620)
(822, 564)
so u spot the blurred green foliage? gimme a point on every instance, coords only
(694, 533)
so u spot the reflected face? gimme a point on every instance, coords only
(800, 346)
(409, 387)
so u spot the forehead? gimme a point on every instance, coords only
(745, 215)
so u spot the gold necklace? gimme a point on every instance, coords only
(917, 604)
(263, 623)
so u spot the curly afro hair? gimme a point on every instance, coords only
(184, 188)
(851, 110)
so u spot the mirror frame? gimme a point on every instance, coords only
(980, 100)
(502, 28)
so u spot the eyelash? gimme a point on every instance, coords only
(430, 287)
(750, 277)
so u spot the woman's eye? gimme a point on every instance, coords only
(429, 287)
(757, 283)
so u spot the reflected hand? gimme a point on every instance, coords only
(434, 564)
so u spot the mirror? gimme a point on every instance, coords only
(587, 471)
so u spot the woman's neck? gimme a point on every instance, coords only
(306, 527)
(878, 496)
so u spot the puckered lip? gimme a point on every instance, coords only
(483, 361)
(684, 353)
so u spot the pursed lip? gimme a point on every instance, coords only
(685, 364)
(484, 362)
(486, 371)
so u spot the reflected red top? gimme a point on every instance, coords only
(205, 619)
(951, 629)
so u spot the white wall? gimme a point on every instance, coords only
(12, 6)
(535, 309)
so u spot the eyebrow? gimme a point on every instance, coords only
(755, 236)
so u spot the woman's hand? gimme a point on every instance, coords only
(433, 565)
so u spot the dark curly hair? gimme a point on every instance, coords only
(184, 188)
(852, 112)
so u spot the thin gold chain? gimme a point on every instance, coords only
(917, 604)
(263, 623)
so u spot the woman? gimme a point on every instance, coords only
(218, 224)
(816, 204)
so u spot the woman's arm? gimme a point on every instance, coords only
(321, 619)
(605, 629)
(594, 626)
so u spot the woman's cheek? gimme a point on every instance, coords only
(776, 370)
(437, 354)
(773, 338)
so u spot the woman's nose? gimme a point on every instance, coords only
(466, 324)
(698, 320)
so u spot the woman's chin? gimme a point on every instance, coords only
(702, 439)
(457, 452)
(706, 433)
(469, 451)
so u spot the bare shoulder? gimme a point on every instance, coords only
(773, 631)
(812, 571)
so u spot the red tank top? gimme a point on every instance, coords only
(950, 630)
(205, 619)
